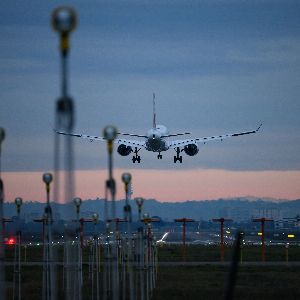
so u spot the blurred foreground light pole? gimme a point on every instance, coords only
(17, 260)
(287, 253)
(64, 21)
(109, 134)
(229, 294)
(2, 137)
(2, 282)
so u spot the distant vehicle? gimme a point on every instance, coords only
(156, 140)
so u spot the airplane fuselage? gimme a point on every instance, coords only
(155, 141)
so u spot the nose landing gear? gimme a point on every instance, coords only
(178, 157)
(159, 156)
(136, 157)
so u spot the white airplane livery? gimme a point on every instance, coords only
(157, 140)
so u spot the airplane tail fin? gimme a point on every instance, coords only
(154, 113)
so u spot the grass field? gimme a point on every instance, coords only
(173, 253)
(207, 281)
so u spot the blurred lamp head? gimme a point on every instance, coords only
(77, 201)
(95, 217)
(47, 178)
(110, 133)
(126, 178)
(139, 201)
(18, 201)
(146, 216)
(2, 134)
(64, 19)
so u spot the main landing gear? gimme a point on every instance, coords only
(136, 157)
(178, 157)
(159, 156)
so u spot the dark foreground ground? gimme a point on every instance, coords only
(201, 282)
(208, 280)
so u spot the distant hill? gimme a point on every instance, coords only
(238, 209)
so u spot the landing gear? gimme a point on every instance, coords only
(136, 157)
(177, 157)
(159, 156)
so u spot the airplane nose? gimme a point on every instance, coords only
(154, 136)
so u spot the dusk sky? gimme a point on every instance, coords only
(216, 67)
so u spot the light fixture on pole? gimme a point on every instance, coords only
(139, 202)
(2, 137)
(221, 220)
(18, 202)
(64, 21)
(126, 178)
(77, 202)
(184, 221)
(47, 178)
(109, 134)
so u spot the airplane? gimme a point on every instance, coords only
(157, 140)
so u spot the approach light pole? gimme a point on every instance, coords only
(77, 202)
(149, 254)
(2, 271)
(126, 178)
(184, 221)
(17, 268)
(48, 270)
(262, 221)
(95, 258)
(139, 202)
(221, 220)
(109, 134)
(2, 137)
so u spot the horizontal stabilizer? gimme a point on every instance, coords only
(132, 134)
(175, 134)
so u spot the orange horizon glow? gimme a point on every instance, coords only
(165, 185)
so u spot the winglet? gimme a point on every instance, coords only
(258, 127)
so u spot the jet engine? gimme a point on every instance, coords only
(124, 150)
(191, 149)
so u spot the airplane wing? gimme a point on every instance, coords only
(132, 143)
(84, 136)
(182, 143)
